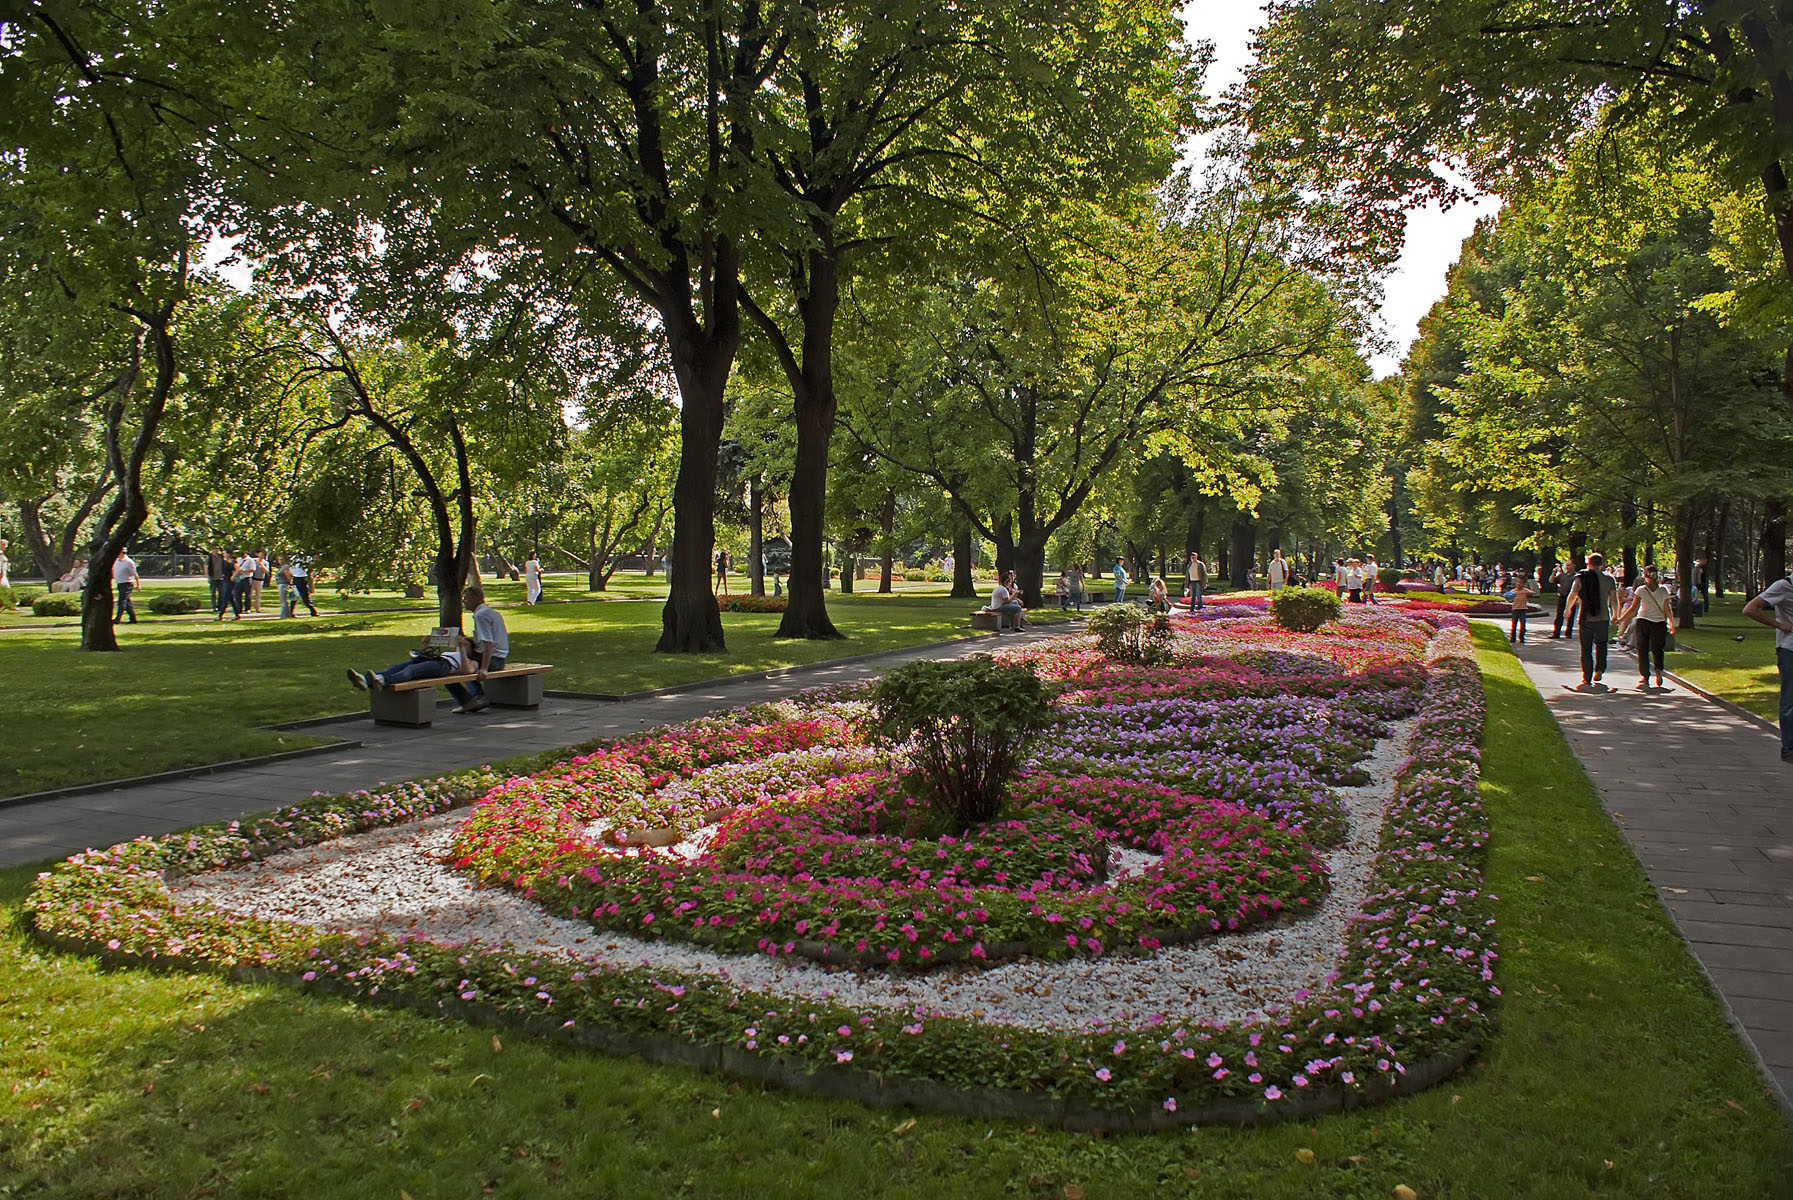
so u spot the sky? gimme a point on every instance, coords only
(1434, 236)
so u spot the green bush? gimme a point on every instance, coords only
(1127, 633)
(172, 603)
(57, 604)
(1304, 609)
(1389, 576)
(970, 722)
(7, 597)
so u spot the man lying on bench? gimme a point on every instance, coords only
(446, 652)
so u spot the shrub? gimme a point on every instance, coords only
(57, 604)
(1304, 609)
(7, 598)
(751, 604)
(971, 721)
(173, 603)
(1389, 576)
(1128, 633)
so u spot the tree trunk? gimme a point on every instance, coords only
(1774, 542)
(128, 510)
(1715, 562)
(887, 522)
(1245, 544)
(964, 586)
(690, 622)
(1628, 523)
(756, 536)
(1684, 534)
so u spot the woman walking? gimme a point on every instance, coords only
(532, 578)
(1654, 620)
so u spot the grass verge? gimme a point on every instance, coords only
(1613, 1075)
(1731, 656)
(183, 693)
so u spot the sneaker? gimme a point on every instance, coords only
(357, 679)
(1599, 675)
(475, 705)
(376, 682)
(1659, 681)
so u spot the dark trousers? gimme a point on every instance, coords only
(239, 596)
(302, 585)
(1562, 602)
(1650, 638)
(1784, 659)
(1593, 647)
(1516, 630)
(125, 607)
(218, 595)
(468, 692)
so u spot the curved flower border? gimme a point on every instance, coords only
(1408, 1003)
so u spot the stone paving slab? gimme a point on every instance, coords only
(1706, 805)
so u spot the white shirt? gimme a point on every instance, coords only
(1779, 597)
(1279, 572)
(488, 628)
(124, 569)
(1652, 603)
(999, 596)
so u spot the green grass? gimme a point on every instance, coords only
(183, 693)
(1612, 1074)
(1711, 657)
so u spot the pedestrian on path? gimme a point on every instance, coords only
(1561, 580)
(532, 579)
(124, 578)
(1120, 581)
(1591, 595)
(1774, 608)
(1653, 619)
(1522, 600)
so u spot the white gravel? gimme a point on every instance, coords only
(394, 881)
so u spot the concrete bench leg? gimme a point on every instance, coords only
(415, 708)
(515, 691)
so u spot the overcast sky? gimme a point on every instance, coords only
(1434, 238)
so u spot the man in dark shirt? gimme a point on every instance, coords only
(1591, 595)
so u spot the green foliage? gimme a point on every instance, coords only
(1304, 609)
(57, 604)
(1389, 576)
(1128, 633)
(173, 603)
(7, 597)
(970, 720)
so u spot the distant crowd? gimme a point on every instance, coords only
(238, 579)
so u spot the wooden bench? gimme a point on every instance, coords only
(983, 618)
(518, 685)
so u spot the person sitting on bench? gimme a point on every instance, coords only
(489, 649)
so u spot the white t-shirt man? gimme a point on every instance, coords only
(1778, 596)
(1279, 571)
(124, 569)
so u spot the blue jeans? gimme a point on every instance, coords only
(125, 607)
(436, 668)
(1120, 590)
(1784, 659)
(1013, 612)
(1195, 594)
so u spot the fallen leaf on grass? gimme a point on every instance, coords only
(1073, 1192)
(497, 1046)
(1403, 1192)
(149, 1085)
(413, 1106)
(717, 1113)
(905, 1127)
(260, 1089)
(1304, 1155)
(1735, 1105)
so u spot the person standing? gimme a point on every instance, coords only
(1370, 581)
(283, 579)
(217, 577)
(1522, 600)
(722, 571)
(242, 579)
(5, 578)
(1064, 590)
(1278, 572)
(124, 578)
(1591, 594)
(227, 565)
(1074, 584)
(532, 578)
(1562, 579)
(1120, 581)
(1198, 581)
(1652, 613)
(301, 570)
(1774, 608)
(259, 579)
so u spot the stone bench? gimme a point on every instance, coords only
(518, 685)
(983, 618)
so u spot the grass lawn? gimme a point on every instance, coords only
(1711, 657)
(1612, 1074)
(183, 692)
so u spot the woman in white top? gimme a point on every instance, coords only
(1655, 619)
(532, 578)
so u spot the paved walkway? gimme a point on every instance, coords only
(1707, 806)
(56, 828)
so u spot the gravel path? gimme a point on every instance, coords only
(394, 881)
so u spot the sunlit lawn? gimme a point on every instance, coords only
(1611, 1073)
(182, 693)
(1712, 657)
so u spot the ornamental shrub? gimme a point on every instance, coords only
(1388, 576)
(971, 722)
(7, 599)
(1304, 609)
(57, 604)
(172, 603)
(1128, 633)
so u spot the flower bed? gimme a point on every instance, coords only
(1407, 998)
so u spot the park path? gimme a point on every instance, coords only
(1706, 805)
(68, 824)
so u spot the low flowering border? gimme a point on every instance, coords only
(1408, 1004)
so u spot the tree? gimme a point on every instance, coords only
(1370, 102)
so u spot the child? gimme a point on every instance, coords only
(1522, 598)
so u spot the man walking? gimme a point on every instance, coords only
(1198, 580)
(301, 572)
(124, 578)
(1279, 572)
(1591, 594)
(1774, 608)
(1562, 579)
